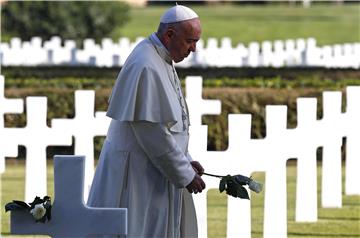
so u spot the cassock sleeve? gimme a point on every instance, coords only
(189, 156)
(160, 146)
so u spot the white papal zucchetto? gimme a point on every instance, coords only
(178, 13)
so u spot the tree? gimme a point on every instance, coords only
(69, 19)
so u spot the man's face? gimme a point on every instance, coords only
(184, 39)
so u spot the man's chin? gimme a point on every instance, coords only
(178, 60)
(181, 59)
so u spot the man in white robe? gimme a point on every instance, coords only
(144, 164)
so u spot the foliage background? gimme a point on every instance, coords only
(76, 20)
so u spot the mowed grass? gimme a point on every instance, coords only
(343, 222)
(328, 23)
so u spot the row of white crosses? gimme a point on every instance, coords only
(243, 156)
(36, 136)
(52, 52)
(279, 53)
(288, 53)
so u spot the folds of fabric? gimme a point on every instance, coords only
(164, 152)
(144, 164)
(129, 174)
(143, 90)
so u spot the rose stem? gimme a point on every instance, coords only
(213, 175)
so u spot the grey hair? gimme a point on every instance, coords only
(163, 27)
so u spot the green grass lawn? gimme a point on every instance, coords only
(328, 23)
(343, 222)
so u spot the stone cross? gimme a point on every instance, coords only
(193, 95)
(245, 156)
(84, 126)
(213, 107)
(352, 162)
(287, 53)
(305, 135)
(7, 139)
(70, 216)
(36, 136)
(8, 147)
(331, 188)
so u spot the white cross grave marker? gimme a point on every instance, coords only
(70, 217)
(36, 136)
(275, 158)
(245, 155)
(352, 162)
(198, 105)
(7, 138)
(8, 147)
(230, 161)
(332, 130)
(84, 126)
(306, 135)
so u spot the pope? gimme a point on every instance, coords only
(144, 164)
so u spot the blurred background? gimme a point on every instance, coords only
(252, 54)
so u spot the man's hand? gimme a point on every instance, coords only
(196, 185)
(197, 167)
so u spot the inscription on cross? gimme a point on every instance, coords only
(70, 217)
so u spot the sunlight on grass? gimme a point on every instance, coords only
(328, 23)
(343, 222)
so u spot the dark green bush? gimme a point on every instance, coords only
(216, 76)
(69, 19)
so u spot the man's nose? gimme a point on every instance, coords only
(193, 47)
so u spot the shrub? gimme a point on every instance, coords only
(68, 19)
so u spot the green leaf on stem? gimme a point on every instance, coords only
(233, 187)
(222, 185)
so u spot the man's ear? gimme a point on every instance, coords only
(170, 33)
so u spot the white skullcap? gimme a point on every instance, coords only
(177, 14)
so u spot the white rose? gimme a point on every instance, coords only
(38, 211)
(255, 186)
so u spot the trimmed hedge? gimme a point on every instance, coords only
(288, 73)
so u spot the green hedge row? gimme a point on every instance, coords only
(288, 73)
(234, 100)
(257, 82)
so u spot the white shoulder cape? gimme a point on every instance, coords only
(143, 90)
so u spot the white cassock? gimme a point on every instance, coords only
(144, 163)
